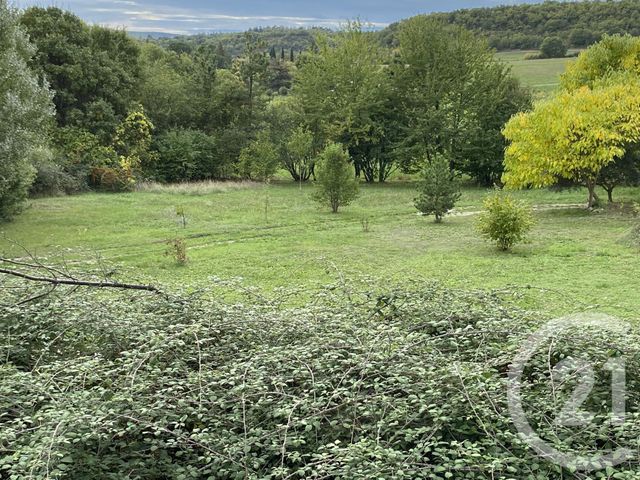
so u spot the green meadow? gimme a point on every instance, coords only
(275, 236)
(542, 76)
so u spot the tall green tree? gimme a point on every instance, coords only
(224, 60)
(345, 92)
(298, 156)
(25, 111)
(84, 64)
(553, 47)
(205, 67)
(169, 89)
(133, 140)
(252, 65)
(295, 144)
(454, 98)
(279, 78)
(625, 170)
(612, 55)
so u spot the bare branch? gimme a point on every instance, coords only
(80, 283)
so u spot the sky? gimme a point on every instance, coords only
(201, 16)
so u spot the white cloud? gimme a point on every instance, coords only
(171, 19)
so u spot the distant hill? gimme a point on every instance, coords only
(145, 35)
(579, 23)
(298, 39)
(515, 27)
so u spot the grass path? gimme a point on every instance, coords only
(535, 208)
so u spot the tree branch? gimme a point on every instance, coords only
(80, 283)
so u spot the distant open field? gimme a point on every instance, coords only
(578, 258)
(543, 76)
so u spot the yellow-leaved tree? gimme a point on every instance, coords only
(574, 135)
(612, 55)
(592, 123)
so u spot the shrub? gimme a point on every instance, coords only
(532, 56)
(504, 220)
(553, 47)
(177, 249)
(395, 383)
(336, 183)
(439, 190)
(49, 179)
(113, 179)
(52, 178)
(81, 156)
(186, 155)
(259, 160)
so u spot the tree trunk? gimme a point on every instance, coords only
(294, 173)
(593, 197)
(251, 97)
(369, 175)
(610, 194)
(382, 174)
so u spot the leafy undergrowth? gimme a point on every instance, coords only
(361, 383)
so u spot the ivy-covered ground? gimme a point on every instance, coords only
(276, 236)
(360, 383)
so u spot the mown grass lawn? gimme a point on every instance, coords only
(575, 260)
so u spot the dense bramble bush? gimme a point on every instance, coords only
(357, 384)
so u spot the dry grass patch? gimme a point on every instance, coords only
(195, 188)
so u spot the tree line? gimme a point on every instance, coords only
(280, 39)
(519, 27)
(127, 110)
(92, 107)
